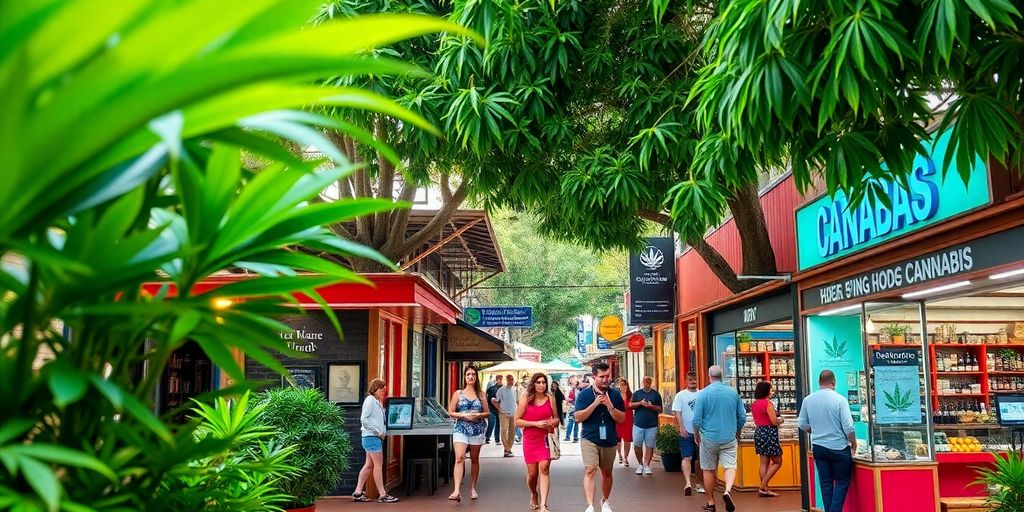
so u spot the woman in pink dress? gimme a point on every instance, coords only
(536, 415)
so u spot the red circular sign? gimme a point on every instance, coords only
(636, 343)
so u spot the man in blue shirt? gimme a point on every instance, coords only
(718, 419)
(598, 409)
(646, 405)
(826, 415)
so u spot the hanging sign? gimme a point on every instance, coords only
(652, 283)
(500, 316)
(581, 340)
(828, 229)
(636, 343)
(897, 386)
(611, 327)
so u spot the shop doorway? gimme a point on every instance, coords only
(189, 373)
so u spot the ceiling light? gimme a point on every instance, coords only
(937, 289)
(1004, 275)
(839, 310)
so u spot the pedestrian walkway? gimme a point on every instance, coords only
(503, 489)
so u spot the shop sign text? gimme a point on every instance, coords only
(927, 268)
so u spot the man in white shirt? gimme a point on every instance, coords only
(682, 407)
(507, 399)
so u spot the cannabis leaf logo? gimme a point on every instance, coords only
(897, 401)
(835, 349)
(652, 258)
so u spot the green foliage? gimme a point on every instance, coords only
(1005, 481)
(245, 470)
(895, 330)
(834, 88)
(123, 138)
(534, 261)
(667, 439)
(897, 400)
(306, 421)
(835, 348)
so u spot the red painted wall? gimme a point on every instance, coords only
(697, 286)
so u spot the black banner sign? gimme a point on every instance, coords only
(652, 279)
(986, 252)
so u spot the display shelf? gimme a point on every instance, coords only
(1011, 373)
(1006, 391)
(954, 395)
(961, 373)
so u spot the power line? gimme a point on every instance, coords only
(530, 287)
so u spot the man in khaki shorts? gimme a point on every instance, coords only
(718, 419)
(598, 409)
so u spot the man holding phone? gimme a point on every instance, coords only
(646, 405)
(598, 408)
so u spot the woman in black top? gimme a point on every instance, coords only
(559, 400)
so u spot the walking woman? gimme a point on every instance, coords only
(625, 428)
(570, 409)
(559, 398)
(538, 417)
(766, 437)
(469, 408)
(373, 431)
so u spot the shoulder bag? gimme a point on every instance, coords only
(553, 438)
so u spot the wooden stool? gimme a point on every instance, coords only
(964, 505)
(416, 467)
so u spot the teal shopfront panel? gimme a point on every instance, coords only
(827, 229)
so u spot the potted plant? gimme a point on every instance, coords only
(897, 333)
(667, 442)
(305, 419)
(1005, 482)
(743, 340)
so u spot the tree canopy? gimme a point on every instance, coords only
(552, 277)
(834, 88)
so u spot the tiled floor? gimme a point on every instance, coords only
(503, 489)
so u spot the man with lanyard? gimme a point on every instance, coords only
(493, 422)
(598, 408)
(646, 405)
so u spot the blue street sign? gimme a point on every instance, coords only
(581, 340)
(500, 316)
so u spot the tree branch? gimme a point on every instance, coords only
(716, 262)
(436, 224)
(657, 217)
(385, 189)
(400, 221)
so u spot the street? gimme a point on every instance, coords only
(503, 489)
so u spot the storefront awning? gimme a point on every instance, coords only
(467, 343)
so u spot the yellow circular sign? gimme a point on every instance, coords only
(611, 327)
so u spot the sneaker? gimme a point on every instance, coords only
(605, 507)
(729, 505)
(700, 490)
(575, 440)
(647, 470)
(640, 469)
(590, 508)
(387, 498)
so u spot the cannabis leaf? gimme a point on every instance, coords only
(835, 348)
(897, 401)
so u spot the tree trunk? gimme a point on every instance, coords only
(758, 255)
(716, 262)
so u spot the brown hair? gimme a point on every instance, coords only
(763, 389)
(629, 391)
(375, 385)
(531, 390)
(476, 385)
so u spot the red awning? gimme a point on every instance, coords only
(409, 296)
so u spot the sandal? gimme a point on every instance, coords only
(771, 493)
(455, 497)
(762, 493)
(533, 501)
(387, 498)
(708, 507)
(360, 496)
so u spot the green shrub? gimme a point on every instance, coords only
(1005, 481)
(667, 440)
(305, 420)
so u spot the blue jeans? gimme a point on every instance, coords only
(835, 470)
(571, 427)
(492, 426)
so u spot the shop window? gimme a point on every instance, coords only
(430, 366)
(668, 366)
(691, 338)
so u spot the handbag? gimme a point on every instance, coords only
(552, 439)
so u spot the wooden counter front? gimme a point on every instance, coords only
(748, 465)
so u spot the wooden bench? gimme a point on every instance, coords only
(964, 505)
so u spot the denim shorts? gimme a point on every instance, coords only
(372, 444)
(687, 447)
(644, 436)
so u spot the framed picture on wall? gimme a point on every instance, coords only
(400, 413)
(302, 377)
(345, 382)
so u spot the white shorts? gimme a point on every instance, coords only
(478, 440)
(712, 453)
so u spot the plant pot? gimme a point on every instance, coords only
(311, 508)
(744, 346)
(671, 462)
(898, 338)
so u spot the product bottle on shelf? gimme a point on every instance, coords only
(940, 363)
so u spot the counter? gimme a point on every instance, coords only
(748, 462)
(888, 487)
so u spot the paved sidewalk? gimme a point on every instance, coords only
(503, 489)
